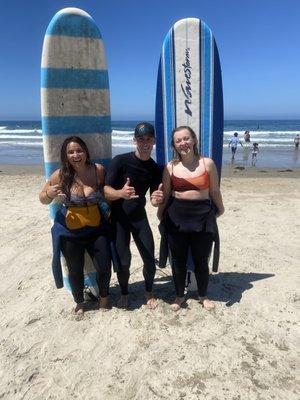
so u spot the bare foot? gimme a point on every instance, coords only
(151, 301)
(104, 303)
(177, 303)
(79, 310)
(123, 301)
(207, 304)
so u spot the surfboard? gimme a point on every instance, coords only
(189, 90)
(74, 98)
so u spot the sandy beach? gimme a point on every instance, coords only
(247, 348)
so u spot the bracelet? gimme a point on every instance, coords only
(50, 198)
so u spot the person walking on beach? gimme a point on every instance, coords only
(78, 225)
(234, 141)
(247, 137)
(297, 141)
(128, 178)
(190, 185)
(255, 151)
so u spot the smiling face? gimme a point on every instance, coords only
(183, 142)
(144, 145)
(76, 155)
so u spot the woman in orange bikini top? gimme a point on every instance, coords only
(190, 185)
(200, 182)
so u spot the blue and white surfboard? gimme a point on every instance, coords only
(189, 90)
(74, 96)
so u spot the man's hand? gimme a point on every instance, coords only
(128, 192)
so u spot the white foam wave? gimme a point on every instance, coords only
(20, 131)
(20, 137)
(22, 144)
(127, 145)
(263, 133)
(116, 132)
(3, 127)
(264, 144)
(131, 145)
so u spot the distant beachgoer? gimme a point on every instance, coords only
(247, 137)
(297, 141)
(255, 151)
(234, 141)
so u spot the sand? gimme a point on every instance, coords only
(245, 349)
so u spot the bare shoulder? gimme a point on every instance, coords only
(100, 168)
(209, 162)
(169, 167)
(55, 177)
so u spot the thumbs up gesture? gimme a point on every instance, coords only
(128, 192)
(157, 197)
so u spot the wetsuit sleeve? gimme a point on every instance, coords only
(156, 178)
(114, 172)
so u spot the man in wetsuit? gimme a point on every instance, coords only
(128, 178)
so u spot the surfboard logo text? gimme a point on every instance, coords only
(187, 88)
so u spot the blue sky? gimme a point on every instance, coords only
(258, 41)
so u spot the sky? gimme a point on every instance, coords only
(258, 42)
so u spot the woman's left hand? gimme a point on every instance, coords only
(220, 212)
(157, 197)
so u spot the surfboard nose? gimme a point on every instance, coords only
(73, 10)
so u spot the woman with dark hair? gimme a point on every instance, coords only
(191, 186)
(79, 225)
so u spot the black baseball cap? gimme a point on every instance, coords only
(144, 128)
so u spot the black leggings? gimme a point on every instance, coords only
(200, 244)
(99, 250)
(143, 238)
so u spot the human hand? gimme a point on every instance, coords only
(53, 191)
(157, 197)
(128, 192)
(220, 212)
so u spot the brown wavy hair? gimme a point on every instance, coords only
(66, 172)
(176, 155)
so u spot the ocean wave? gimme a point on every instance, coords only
(117, 144)
(124, 138)
(130, 133)
(20, 131)
(117, 132)
(262, 133)
(13, 137)
(22, 144)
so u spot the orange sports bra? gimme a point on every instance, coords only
(200, 182)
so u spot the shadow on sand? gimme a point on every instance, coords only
(227, 287)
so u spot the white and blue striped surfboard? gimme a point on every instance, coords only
(74, 96)
(189, 90)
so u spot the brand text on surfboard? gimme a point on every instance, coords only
(187, 89)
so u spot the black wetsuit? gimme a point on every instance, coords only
(129, 216)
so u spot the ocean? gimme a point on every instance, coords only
(21, 142)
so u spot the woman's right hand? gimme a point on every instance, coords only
(53, 191)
